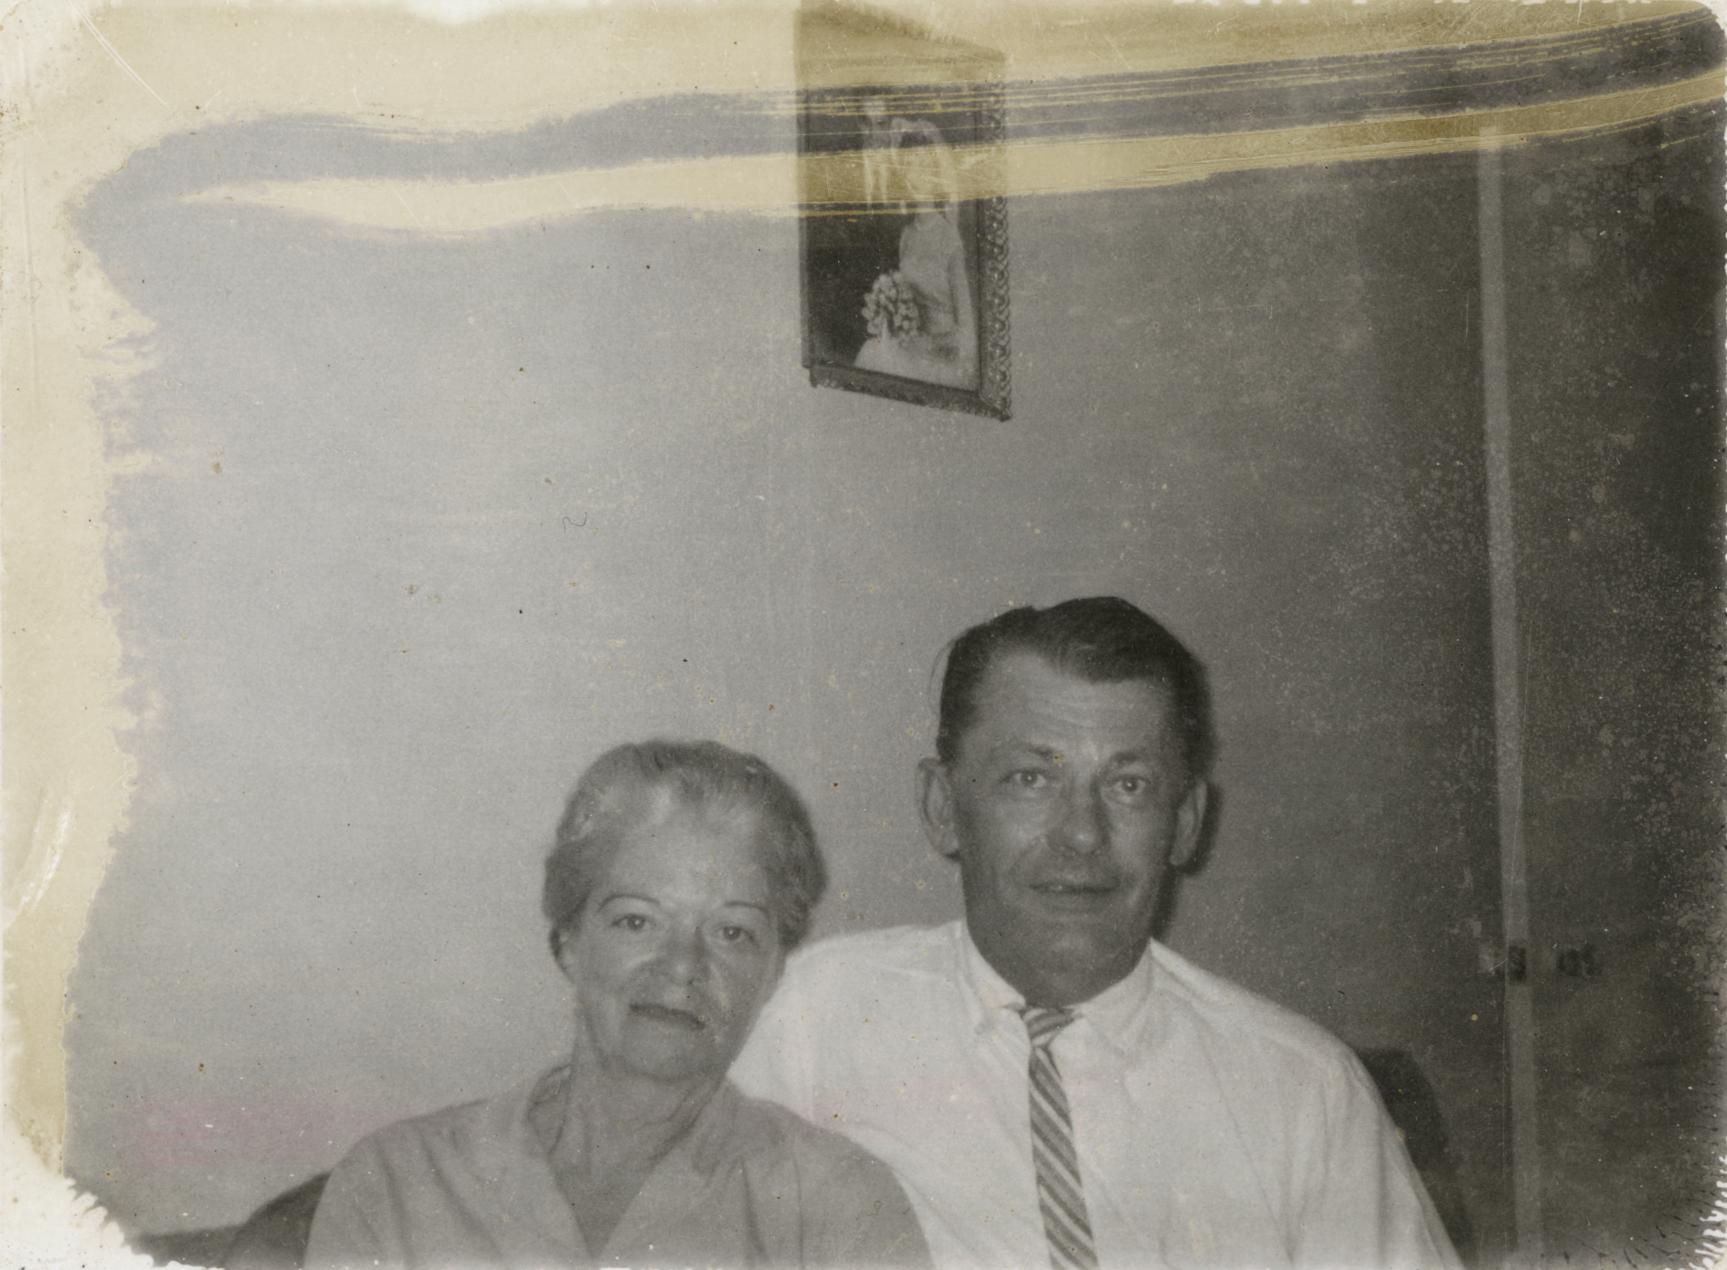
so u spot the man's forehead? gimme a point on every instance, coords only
(1024, 698)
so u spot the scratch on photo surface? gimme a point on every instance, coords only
(118, 60)
(409, 210)
(48, 842)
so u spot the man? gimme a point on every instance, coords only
(1049, 1083)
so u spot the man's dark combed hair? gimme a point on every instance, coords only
(1101, 638)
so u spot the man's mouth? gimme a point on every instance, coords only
(669, 1015)
(1074, 889)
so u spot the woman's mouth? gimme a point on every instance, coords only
(669, 1015)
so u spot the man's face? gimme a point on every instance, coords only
(1064, 807)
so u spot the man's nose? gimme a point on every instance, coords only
(1082, 825)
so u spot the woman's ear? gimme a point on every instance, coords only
(935, 807)
(563, 950)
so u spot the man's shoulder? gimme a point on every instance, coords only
(912, 951)
(1249, 1026)
(870, 987)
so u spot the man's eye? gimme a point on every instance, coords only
(737, 934)
(631, 922)
(1027, 779)
(1131, 784)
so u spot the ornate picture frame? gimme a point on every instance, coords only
(903, 241)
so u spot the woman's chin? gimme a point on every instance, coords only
(658, 1051)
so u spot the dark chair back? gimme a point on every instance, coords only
(275, 1237)
(1414, 1110)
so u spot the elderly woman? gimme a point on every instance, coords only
(682, 875)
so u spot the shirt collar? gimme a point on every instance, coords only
(711, 1141)
(1118, 1015)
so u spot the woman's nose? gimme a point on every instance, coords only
(683, 956)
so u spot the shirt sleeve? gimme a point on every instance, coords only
(1364, 1203)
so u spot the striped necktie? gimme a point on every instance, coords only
(1059, 1193)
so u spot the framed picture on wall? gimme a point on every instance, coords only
(903, 229)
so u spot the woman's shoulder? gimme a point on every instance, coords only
(816, 1151)
(940, 224)
(854, 1210)
(482, 1126)
(443, 1124)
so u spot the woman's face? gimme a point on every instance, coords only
(676, 950)
(923, 177)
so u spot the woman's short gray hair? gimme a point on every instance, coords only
(699, 776)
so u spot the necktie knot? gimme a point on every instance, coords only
(1043, 1022)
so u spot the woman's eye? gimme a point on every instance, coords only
(1131, 784)
(737, 934)
(631, 922)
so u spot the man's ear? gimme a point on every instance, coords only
(1190, 822)
(935, 807)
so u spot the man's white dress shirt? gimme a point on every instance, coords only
(1213, 1127)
